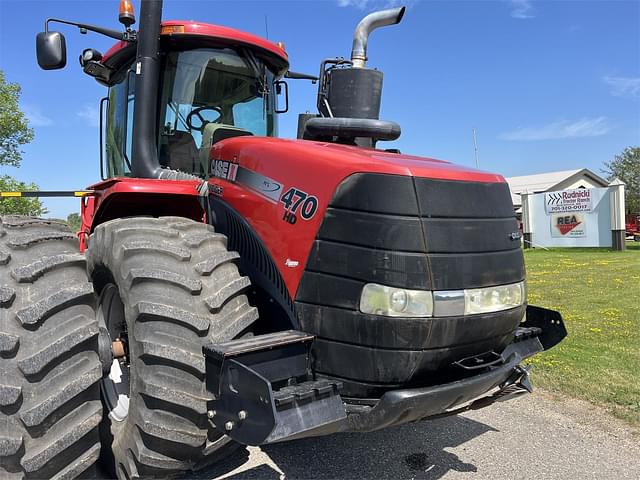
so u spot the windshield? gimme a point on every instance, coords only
(209, 95)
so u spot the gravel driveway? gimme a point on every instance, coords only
(532, 437)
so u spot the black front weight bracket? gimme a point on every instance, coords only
(550, 324)
(263, 392)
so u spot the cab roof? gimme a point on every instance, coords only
(183, 29)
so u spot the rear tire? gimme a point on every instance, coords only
(167, 286)
(49, 367)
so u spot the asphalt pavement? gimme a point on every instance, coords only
(531, 437)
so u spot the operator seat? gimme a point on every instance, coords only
(214, 132)
(180, 153)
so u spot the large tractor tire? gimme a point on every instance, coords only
(166, 286)
(50, 371)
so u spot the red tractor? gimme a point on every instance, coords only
(632, 226)
(230, 287)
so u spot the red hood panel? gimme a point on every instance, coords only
(343, 160)
(277, 166)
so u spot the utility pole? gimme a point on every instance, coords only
(475, 147)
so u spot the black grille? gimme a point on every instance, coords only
(417, 233)
(422, 234)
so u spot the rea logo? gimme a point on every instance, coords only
(568, 225)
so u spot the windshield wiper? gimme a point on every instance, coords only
(261, 75)
(261, 78)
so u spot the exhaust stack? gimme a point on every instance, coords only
(144, 161)
(367, 25)
(349, 93)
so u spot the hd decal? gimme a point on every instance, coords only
(296, 201)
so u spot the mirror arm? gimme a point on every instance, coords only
(127, 36)
(300, 76)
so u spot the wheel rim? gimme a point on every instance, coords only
(115, 384)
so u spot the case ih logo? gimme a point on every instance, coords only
(223, 169)
(568, 225)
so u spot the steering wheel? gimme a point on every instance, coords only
(197, 113)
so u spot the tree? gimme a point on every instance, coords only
(14, 132)
(74, 222)
(16, 205)
(626, 167)
(14, 129)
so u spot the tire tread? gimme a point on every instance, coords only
(169, 270)
(49, 396)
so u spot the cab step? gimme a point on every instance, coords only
(263, 390)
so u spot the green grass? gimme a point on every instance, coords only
(598, 293)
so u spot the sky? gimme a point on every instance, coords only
(548, 85)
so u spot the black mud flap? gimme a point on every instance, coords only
(263, 392)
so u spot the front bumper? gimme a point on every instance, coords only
(404, 406)
(253, 405)
(542, 330)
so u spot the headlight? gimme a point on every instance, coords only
(400, 302)
(395, 302)
(493, 299)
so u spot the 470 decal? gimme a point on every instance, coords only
(295, 201)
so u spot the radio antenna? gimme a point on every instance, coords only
(475, 147)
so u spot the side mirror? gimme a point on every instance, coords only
(281, 88)
(51, 50)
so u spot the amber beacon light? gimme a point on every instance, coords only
(126, 14)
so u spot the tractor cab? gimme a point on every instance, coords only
(209, 90)
(213, 83)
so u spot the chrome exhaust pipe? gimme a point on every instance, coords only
(367, 25)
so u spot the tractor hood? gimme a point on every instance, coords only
(284, 188)
(329, 160)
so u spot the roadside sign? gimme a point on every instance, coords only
(578, 200)
(568, 225)
(571, 218)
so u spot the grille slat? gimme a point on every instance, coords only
(453, 199)
(402, 269)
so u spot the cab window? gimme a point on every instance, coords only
(118, 133)
(208, 95)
